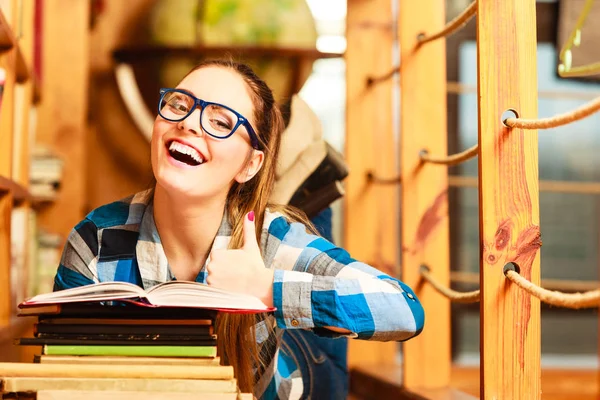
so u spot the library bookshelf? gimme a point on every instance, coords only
(17, 101)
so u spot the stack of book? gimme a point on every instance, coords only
(116, 340)
(45, 175)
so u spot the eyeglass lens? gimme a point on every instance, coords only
(216, 120)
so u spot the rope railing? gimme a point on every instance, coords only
(453, 295)
(558, 120)
(372, 178)
(451, 27)
(564, 285)
(590, 299)
(450, 160)
(372, 80)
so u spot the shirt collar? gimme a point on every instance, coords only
(151, 257)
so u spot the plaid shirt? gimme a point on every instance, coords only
(316, 284)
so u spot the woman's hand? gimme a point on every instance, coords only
(242, 270)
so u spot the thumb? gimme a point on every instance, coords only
(250, 242)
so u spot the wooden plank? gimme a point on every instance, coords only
(19, 193)
(6, 304)
(222, 372)
(384, 382)
(371, 211)
(129, 395)
(62, 115)
(7, 38)
(508, 199)
(545, 185)
(425, 227)
(8, 63)
(25, 384)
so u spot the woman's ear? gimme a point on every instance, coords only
(252, 167)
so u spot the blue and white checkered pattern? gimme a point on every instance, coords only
(316, 284)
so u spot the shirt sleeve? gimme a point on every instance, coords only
(78, 262)
(317, 284)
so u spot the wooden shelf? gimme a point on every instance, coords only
(7, 38)
(22, 68)
(9, 41)
(130, 54)
(20, 193)
(383, 382)
(15, 328)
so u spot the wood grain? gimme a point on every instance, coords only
(425, 227)
(371, 211)
(219, 372)
(63, 113)
(130, 395)
(26, 384)
(508, 198)
(6, 303)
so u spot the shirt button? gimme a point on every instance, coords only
(410, 296)
(295, 322)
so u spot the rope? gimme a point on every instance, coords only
(377, 79)
(453, 295)
(558, 120)
(568, 300)
(372, 178)
(451, 159)
(451, 26)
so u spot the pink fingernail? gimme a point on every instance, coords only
(251, 216)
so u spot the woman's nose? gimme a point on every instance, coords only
(192, 123)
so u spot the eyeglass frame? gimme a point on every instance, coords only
(202, 104)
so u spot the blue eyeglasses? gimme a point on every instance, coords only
(216, 119)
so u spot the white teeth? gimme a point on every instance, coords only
(185, 149)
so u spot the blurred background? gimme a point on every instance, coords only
(96, 67)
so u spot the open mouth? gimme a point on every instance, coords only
(184, 153)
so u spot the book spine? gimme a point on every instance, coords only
(182, 330)
(107, 343)
(131, 351)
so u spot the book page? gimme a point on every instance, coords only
(95, 292)
(199, 295)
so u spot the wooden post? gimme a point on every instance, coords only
(424, 188)
(6, 303)
(371, 211)
(508, 199)
(63, 112)
(8, 62)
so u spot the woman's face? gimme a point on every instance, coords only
(186, 160)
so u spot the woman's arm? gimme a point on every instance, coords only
(318, 285)
(78, 258)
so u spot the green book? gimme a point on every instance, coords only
(131, 351)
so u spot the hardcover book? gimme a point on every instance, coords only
(183, 294)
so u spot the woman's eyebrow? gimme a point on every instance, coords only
(187, 91)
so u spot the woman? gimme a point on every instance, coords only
(214, 151)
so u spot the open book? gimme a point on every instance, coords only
(169, 294)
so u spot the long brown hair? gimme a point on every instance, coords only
(236, 336)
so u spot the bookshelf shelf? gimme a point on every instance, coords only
(17, 214)
(22, 68)
(8, 41)
(131, 54)
(7, 38)
(20, 193)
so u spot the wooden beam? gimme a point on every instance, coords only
(424, 188)
(6, 303)
(508, 199)
(62, 115)
(371, 212)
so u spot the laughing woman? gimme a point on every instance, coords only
(214, 151)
